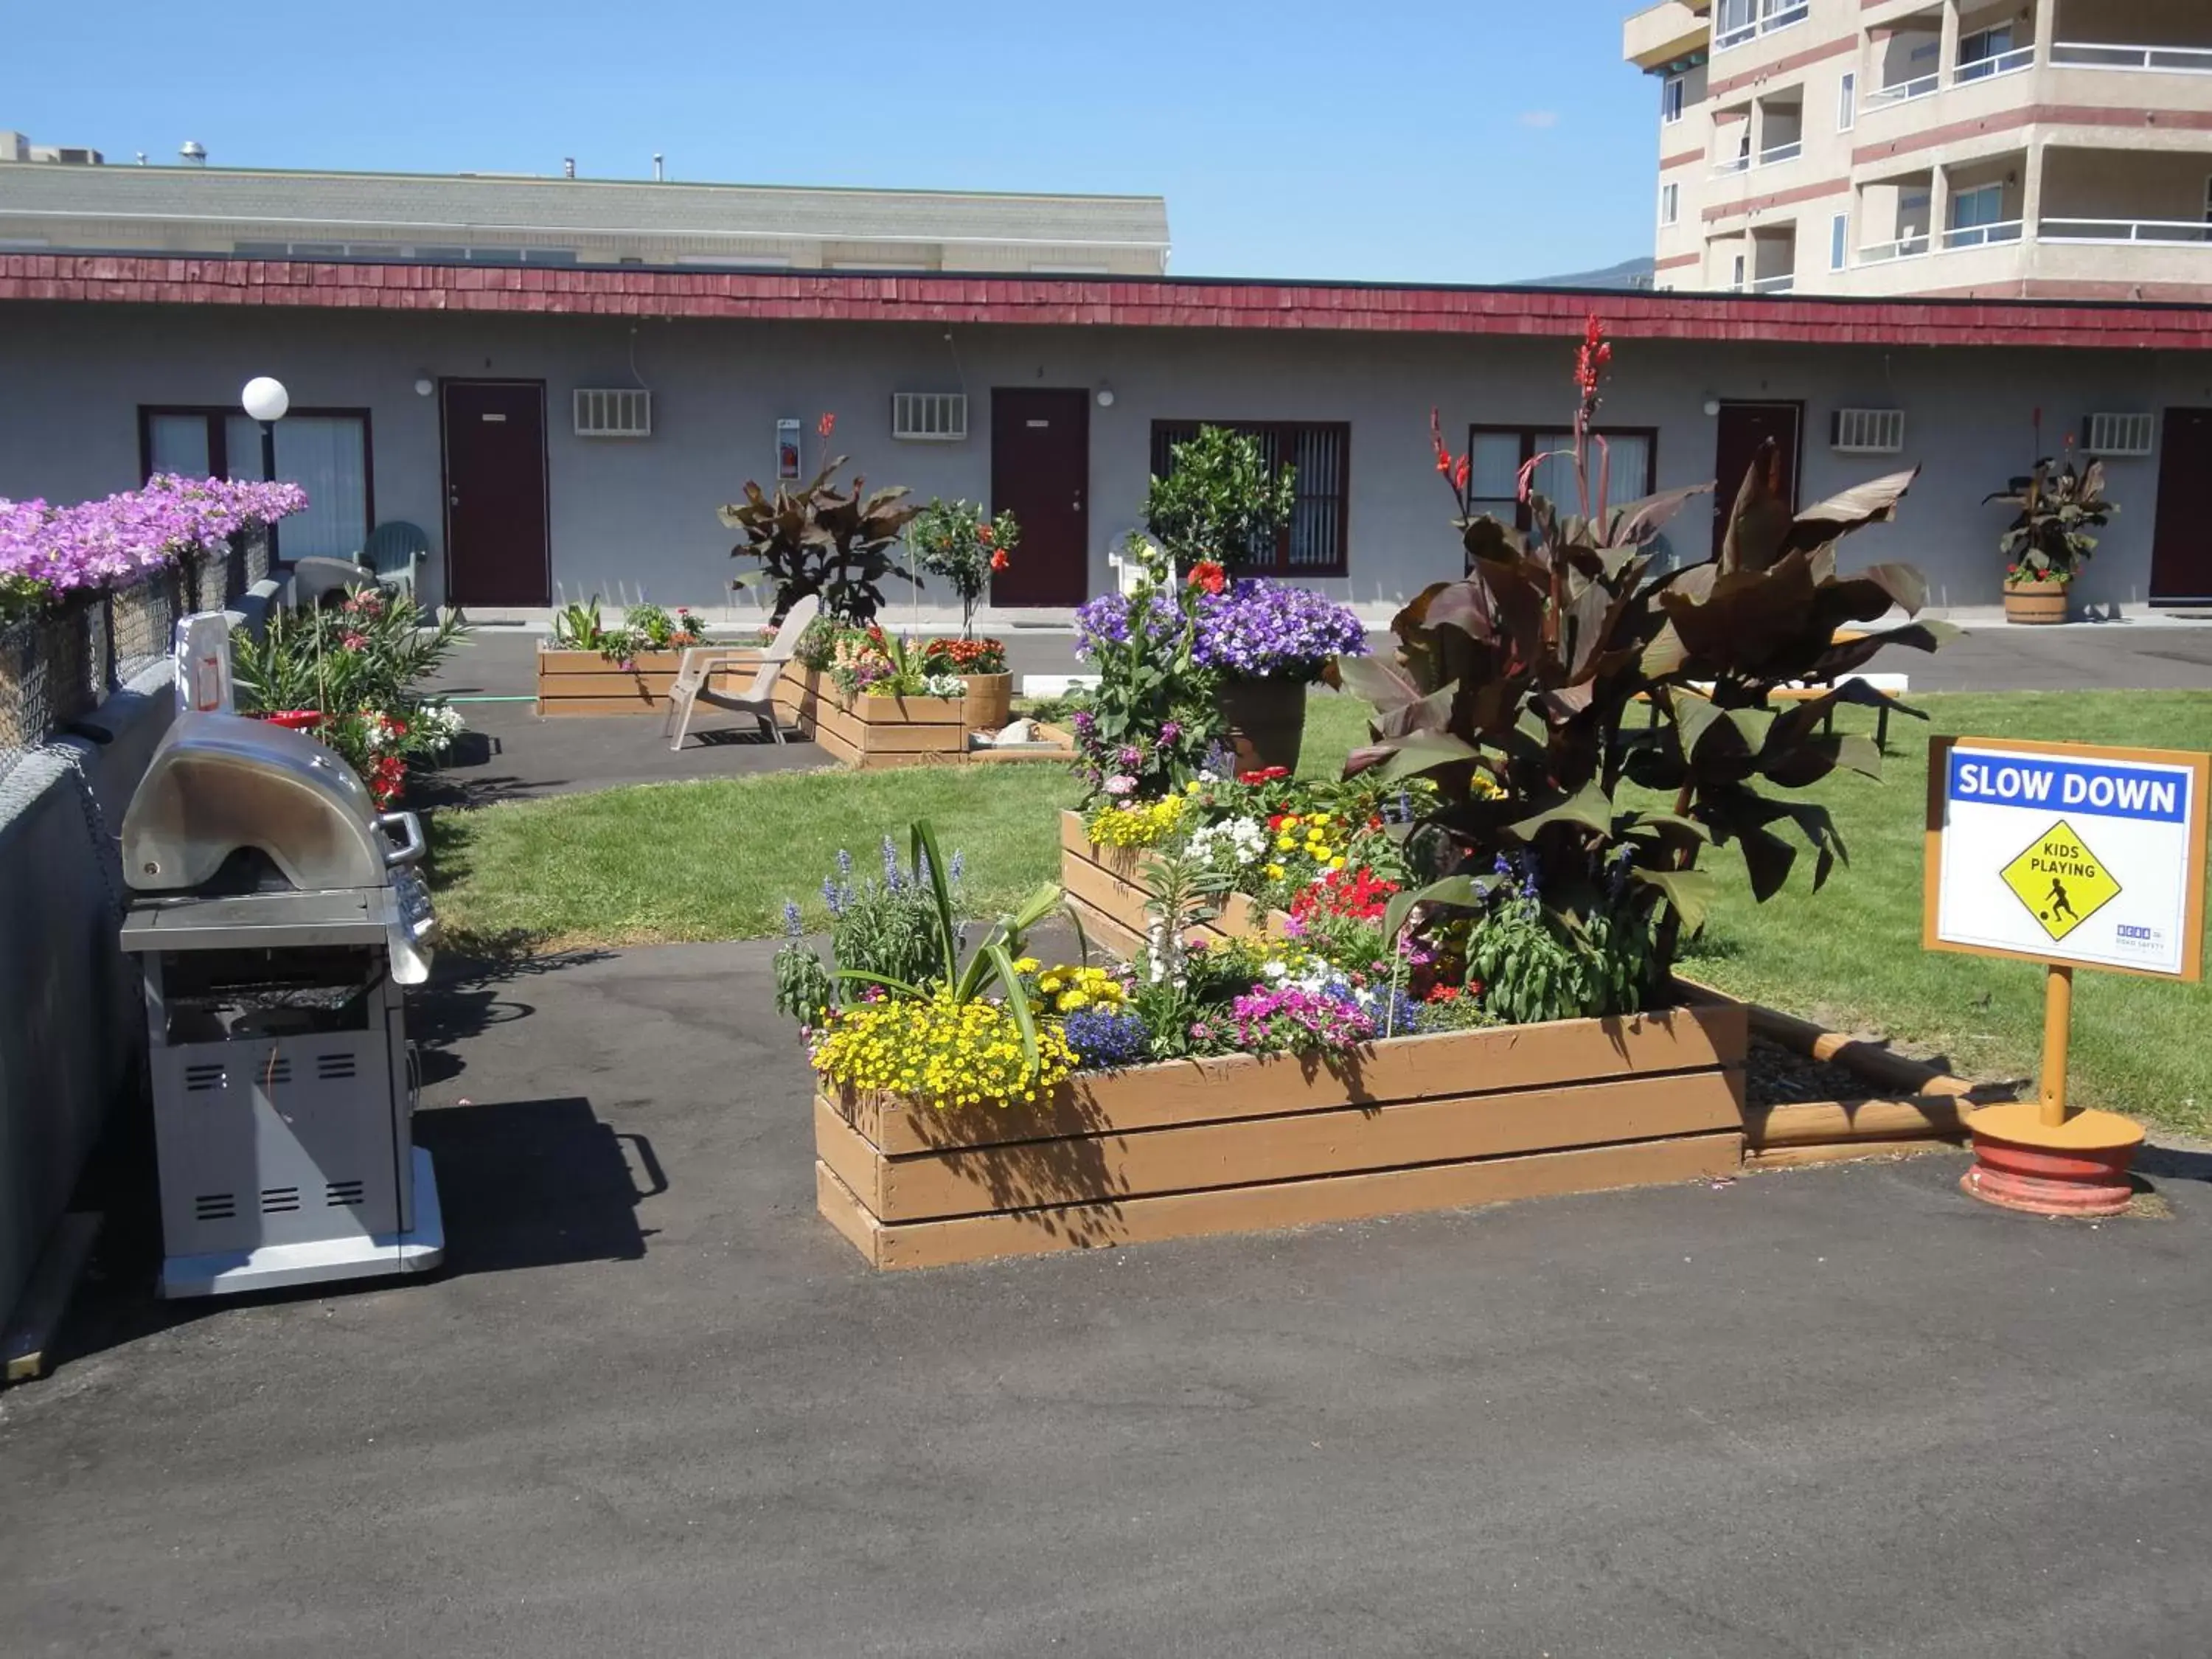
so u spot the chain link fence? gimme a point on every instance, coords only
(58, 668)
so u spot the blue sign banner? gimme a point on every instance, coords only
(2106, 788)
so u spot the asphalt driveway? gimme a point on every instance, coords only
(656, 1407)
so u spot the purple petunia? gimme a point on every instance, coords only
(1272, 630)
(47, 552)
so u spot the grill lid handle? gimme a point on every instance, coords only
(411, 845)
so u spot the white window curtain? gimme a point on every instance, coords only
(1629, 479)
(178, 444)
(327, 456)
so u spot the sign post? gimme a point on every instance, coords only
(2074, 857)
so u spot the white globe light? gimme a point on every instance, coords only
(265, 399)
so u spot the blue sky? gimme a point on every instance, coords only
(1483, 142)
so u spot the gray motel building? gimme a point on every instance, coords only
(562, 380)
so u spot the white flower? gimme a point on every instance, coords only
(944, 685)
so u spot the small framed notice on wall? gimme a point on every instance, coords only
(786, 449)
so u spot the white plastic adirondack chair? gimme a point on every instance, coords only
(694, 678)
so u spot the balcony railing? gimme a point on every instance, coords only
(1988, 69)
(2148, 232)
(1728, 33)
(1905, 247)
(1789, 152)
(1903, 92)
(2185, 60)
(1733, 164)
(1781, 284)
(2004, 230)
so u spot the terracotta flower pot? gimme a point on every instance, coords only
(1267, 721)
(2035, 604)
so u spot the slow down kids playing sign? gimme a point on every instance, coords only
(2062, 853)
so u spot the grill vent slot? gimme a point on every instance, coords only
(279, 1200)
(331, 1067)
(342, 1193)
(215, 1207)
(203, 1077)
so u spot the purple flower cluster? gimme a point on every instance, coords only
(1270, 630)
(47, 552)
(1106, 1039)
(1271, 1019)
(1258, 629)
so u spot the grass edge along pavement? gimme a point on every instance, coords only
(715, 860)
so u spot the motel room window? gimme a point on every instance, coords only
(1670, 203)
(1315, 541)
(1670, 101)
(326, 452)
(1839, 241)
(1497, 454)
(1847, 102)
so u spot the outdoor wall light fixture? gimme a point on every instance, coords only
(423, 387)
(1105, 397)
(1712, 405)
(265, 399)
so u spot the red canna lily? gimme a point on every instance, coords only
(828, 425)
(1209, 575)
(1000, 561)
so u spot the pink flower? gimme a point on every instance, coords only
(1120, 784)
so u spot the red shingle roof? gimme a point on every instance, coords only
(1131, 302)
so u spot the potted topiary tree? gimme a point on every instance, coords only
(2054, 508)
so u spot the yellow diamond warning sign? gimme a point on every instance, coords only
(2060, 880)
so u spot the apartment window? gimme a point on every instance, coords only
(1496, 455)
(1319, 453)
(1840, 240)
(1979, 51)
(2208, 201)
(1972, 208)
(326, 451)
(1847, 102)
(1670, 202)
(1735, 280)
(1670, 100)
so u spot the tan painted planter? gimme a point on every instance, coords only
(585, 683)
(1105, 886)
(871, 732)
(1243, 1144)
(2036, 603)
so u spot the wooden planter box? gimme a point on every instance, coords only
(1243, 1144)
(1105, 886)
(585, 683)
(879, 732)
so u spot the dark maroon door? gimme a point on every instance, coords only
(1041, 473)
(2181, 538)
(496, 551)
(1743, 428)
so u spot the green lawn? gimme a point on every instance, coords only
(716, 861)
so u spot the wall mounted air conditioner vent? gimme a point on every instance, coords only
(2104, 435)
(935, 417)
(1867, 431)
(613, 412)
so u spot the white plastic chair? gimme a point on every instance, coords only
(694, 678)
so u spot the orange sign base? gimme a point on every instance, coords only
(2078, 1166)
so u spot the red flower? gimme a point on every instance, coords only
(1460, 472)
(354, 642)
(1593, 355)
(983, 532)
(999, 560)
(826, 425)
(1266, 774)
(1208, 575)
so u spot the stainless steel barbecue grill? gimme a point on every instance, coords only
(276, 918)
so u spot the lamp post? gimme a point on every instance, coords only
(265, 401)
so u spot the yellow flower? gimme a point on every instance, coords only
(1320, 817)
(1284, 843)
(1027, 965)
(1337, 863)
(1274, 872)
(1072, 1000)
(1290, 820)
(1191, 788)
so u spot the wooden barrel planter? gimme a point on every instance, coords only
(1265, 720)
(2035, 604)
(990, 702)
(585, 683)
(1246, 1143)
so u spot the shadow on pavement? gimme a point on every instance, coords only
(536, 1183)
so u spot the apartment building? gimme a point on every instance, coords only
(2035, 149)
(65, 200)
